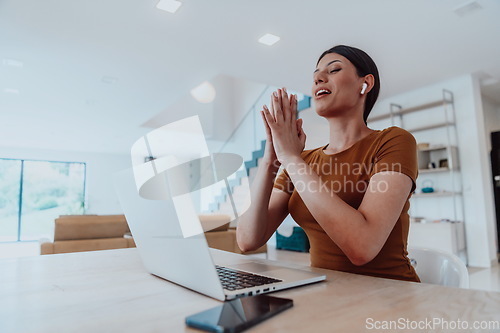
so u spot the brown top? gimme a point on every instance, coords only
(348, 173)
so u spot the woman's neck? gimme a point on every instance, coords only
(344, 132)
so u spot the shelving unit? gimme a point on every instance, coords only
(427, 170)
(442, 158)
(438, 162)
(436, 194)
(400, 111)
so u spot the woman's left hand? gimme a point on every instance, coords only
(288, 136)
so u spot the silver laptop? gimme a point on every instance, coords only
(186, 261)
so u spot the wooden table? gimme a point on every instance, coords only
(110, 291)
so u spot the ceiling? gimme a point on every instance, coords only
(94, 71)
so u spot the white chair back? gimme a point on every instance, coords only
(439, 267)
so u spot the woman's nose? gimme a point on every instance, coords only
(319, 77)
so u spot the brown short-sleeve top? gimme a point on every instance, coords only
(347, 174)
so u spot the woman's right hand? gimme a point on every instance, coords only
(269, 152)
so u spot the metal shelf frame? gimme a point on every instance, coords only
(447, 105)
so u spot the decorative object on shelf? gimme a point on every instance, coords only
(427, 186)
(433, 158)
(436, 194)
(423, 145)
(443, 163)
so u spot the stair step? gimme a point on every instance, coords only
(263, 145)
(227, 209)
(240, 190)
(257, 154)
(234, 182)
(239, 200)
(241, 173)
(250, 164)
(304, 103)
(213, 207)
(225, 206)
(253, 172)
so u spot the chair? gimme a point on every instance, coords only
(439, 267)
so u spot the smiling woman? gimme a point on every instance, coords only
(351, 195)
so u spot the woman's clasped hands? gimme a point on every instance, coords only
(284, 131)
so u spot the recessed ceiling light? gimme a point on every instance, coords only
(204, 93)
(109, 79)
(11, 91)
(170, 6)
(12, 63)
(269, 39)
(467, 8)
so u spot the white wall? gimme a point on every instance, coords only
(100, 193)
(315, 127)
(222, 122)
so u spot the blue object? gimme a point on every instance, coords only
(298, 241)
(427, 186)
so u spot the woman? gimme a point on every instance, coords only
(351, 196)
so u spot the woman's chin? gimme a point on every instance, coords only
(330, 111)
(323, 112)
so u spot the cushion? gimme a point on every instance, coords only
(72, 227)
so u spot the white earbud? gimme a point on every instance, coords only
(364, 88)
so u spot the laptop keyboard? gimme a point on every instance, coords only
(232, 279)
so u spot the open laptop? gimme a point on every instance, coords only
(187, 261)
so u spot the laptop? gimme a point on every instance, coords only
(167, 253)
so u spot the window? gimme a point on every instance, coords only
(34, 193)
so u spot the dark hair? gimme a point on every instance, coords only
(364, 65)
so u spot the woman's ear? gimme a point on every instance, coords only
(369, 81)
